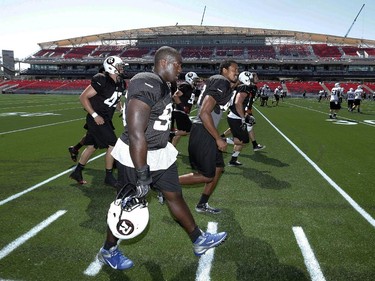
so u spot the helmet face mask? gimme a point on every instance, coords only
(127, 216)
(114, 65)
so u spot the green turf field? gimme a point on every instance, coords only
(301, 209)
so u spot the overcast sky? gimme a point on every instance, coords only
(25, 23)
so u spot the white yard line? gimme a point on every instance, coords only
(354, 204)
(19, 194)
(205, 261)
(31, 233)
(326, 113)
(204, 267)
(94, 268)
(311, 262)
(41, 126)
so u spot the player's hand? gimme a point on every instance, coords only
(99, 120)
(249, 119)
(221, 144)
(144, 181)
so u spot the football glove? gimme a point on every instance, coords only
(249, 119)
(143, 183)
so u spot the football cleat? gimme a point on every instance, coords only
(114, 258)
(205, 208)
(77, 176)
(110, 180)
(208, 241)
(234, 163)
(259, 147)
(73, 153)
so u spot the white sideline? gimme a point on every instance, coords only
(31, 233)
(41, 126)
(311, 262)
(354, 204)
(205, 261)
(19, 194)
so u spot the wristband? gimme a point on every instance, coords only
(94, 115)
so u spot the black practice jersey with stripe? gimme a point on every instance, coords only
(151, 89)
(242, 88)
(108, 95)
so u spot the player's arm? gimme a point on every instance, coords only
(137, 116)
(84, 98)
(207, 107)
(240, 97)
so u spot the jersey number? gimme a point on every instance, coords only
(164, 120)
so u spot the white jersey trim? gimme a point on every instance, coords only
(160, 159)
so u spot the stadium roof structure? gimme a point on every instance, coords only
(272, 36)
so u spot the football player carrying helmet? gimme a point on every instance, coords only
(127, 216)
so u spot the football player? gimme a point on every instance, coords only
(240, 118)
(184, 99)
(145, 157)
(100, 100)
(334, 104)
(276, 95)
(358, 98)
(350, 99)
(205, 144)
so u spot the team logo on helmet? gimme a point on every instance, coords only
(125, 227)
(110, 60)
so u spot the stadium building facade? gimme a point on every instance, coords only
(273, 54)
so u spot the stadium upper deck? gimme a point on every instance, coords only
(274, 54)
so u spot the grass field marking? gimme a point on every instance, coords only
(310, 260)
(31, 233)
(19, 194)
(94, 268)
(343, 118)
(354, 204)
(205, 261)
(41, 126)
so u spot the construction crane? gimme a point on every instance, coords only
(354, 21)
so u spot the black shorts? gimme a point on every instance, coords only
(334, 105)
(183, 121)
(204, 154)
(237, 132)
(357, 102)
(162, 180)
(104, 135)
(350, 103)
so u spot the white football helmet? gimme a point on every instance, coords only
(337, 85)
(128, 217)
(191, 78)
(246, 77)
(114, 65)
(359, 86)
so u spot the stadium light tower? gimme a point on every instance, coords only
(354, 21)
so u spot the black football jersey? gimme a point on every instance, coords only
(151, 89)
(188, 97)
(242, 88)
(108, 95)
(218, 87)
